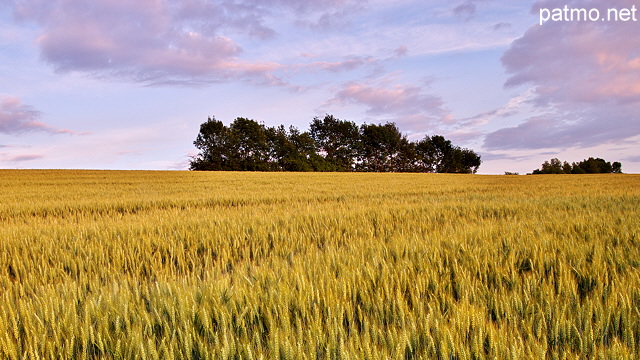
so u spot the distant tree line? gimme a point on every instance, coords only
(331, 144)
(588, 166)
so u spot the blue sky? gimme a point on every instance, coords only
(120, 84)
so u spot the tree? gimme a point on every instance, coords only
(554, 167)
(383, 148)
(292, 150)
(306, 156)
(587, 166)
(248, 147)
(470, 162)
(438, 154)
(595, 166)
(576, 169)
(212, 143)
(406, 158)
(337, 141)
(432, 153)
(330, 145)
(425, 155)
(616, 168)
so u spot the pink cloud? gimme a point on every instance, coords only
(585, 78)
(161, 41)
(143, 40)
(393, 100)
(408, 105)
(17, 118)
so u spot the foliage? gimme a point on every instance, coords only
(588, 166)
(384, 149)
(438, 154)
(217, 265)
(330, 145)
(338, 140)
(212, 141)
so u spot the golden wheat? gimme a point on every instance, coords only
(175, 265)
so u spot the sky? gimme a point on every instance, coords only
(124, 84)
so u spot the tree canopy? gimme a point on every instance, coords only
(587, 166)
(331, 144)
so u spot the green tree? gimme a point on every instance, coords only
(576, 169)
(616, 167)
(471, 162)
(438, 154)
(330, 145)
(595, 166)
(212, 141)
(248, 147)
(550, 167)
(292, 150)
(587, 166)
(306, 157)
(383, 148)
(553, 167)
(432, 152)
(425, 155)
(337, 141)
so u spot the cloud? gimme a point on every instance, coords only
(512, 107)
(581, 128)
(162, 41)
(325, 15)
(501, 26)
(516, 157)
(410, 106)
(21, 158)
(398, 99)
(401, 51)
(346, 64)
(465, 10)
(531, 134)
(633, 159)
(9, 158)
(143, 40)
(18, 118)
(585, 78)
(5, 146)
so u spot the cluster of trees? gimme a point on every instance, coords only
(331, 144)
(588, 166)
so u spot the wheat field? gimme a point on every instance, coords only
(194, 265)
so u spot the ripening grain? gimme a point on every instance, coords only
(178, 265)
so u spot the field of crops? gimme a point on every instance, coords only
(192, 265)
